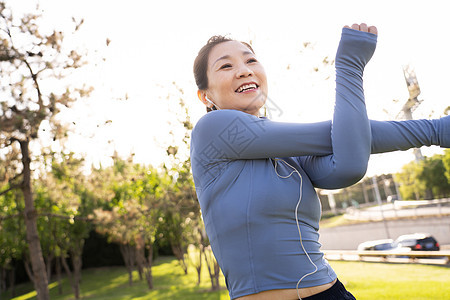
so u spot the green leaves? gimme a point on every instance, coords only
(427, 179)
(135, 198)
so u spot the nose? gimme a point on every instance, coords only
(244, 71)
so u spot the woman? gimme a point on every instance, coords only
(255, 178)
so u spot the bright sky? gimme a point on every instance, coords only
(154, 43)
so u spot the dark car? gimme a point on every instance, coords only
(386, 244)
(418, 242)
(404, 243)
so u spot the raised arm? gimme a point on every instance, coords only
(350, 130)
(231, 134)
(388, 136)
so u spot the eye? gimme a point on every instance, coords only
(225, 66)
(252, 60)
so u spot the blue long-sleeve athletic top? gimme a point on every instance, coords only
(249, 208)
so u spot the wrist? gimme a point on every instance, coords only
(444, 132)
(355, 49)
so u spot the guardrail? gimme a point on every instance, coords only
(400, 209)
(427, 257)
(418, 203)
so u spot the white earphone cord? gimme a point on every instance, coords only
(296, 218)
(212, 103)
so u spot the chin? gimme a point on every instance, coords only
(253, 109)
(257, 105)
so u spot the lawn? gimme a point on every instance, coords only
(368, 280)
(112, 283)
(364, 279)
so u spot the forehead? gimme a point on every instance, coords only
(230, 48)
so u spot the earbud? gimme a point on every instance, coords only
(212, 102)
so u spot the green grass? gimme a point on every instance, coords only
(112, 283)
(364, 279)
(367, 280)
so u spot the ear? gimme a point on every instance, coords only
(202, 96)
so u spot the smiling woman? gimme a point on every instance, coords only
(237, 79)
(223, 80)
(255, 179)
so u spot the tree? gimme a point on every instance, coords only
(116, 218)
(64, 203)
(130, 213)
(446, 161)
(426, 179)
(30, 58)
(432, 174)
(410, 185)
(213, 268)
(12, 237)
(181, 212)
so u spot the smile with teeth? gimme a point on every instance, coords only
(247, 87)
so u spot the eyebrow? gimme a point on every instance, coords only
(227, 56)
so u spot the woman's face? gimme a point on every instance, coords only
(236, 79)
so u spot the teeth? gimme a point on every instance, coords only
(246, 87)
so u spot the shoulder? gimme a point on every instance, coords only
(216, 121)
(220, 116)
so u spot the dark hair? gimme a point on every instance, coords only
(201, 61)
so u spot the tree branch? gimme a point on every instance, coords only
(46, 214)
(2, 218)
(12, 186)
(9, 189)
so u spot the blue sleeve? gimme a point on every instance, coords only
(230, 134)
(388, 136)
(350, 129)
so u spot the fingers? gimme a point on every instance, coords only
(363, 27)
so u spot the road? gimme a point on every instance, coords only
(434, 220)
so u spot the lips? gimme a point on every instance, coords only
(248, 86)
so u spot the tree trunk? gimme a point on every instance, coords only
(26, 264)
(12, 282)
(198, 267)
(140, 256)
(148, 269)
(213, 269)
(2, 281)
(128, 254)
(77, 263)
(58, 275)
(67, 269)
(75, 275)
(49, 262)
(216, 274)
(178, 251)
(30, 215)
